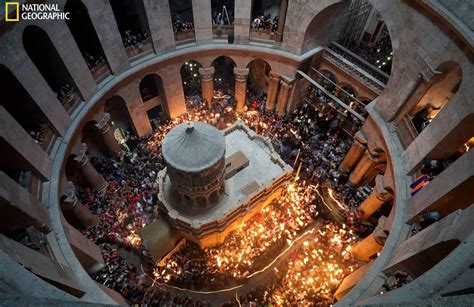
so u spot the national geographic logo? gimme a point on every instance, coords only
(12, 11)
(33, 11)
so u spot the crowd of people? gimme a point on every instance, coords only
(65, 94)
(379, 54)
(265, 23)
(93, 61)
(180, 25)
(313, 272)
(335, 113)
(312, 141)
(247, 249)
(133, 38)
(222, 17)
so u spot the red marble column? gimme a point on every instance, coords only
(207, 83)
(379, 196)
(283, 97)
(88, 171)
(72, 206)
(354, 154)
(107, 135)
(240, 87)
(366, 163)
(372, 244)
(272, 91)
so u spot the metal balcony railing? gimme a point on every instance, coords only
(359, 62)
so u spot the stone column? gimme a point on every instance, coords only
(20, 209)
(48, 269)
(365, 165)
(281, 21)
(202, 21)
(73, 207)
(88, 172)
(283, 97)
(242, 16)
(175, 103)
(379, 196)
(22, 67)
(71, 55)
(207, 83)
(107, 136)
(272, 91)
(24, 146)
(355, 153)
(240, 87)
(133, 101)
(158, 15)
(372, 244)
(105, 25)
(88, 254)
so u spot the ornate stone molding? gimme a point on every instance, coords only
(285, 85)
(274, 76)
(380, 192)
(70, 199)
(241, 74)
(104, 123)
(360, 137)
(81, 157)
(207, 73)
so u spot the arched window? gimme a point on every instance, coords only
(121, 120)
(151, 86)
(224, 79)
(259, 72)
(438, 95)
(86, 39)
(191, 78)
(133, 26)
(264, 20)
(19, 104)
(222, 17)
(183, 20)
(325, 26)
(49, 63)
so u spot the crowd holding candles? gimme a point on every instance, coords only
(297, 229)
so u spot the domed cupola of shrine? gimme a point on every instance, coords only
(194, 154)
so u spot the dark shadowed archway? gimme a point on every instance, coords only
(47, 60)
(259, 72)
(224, 79)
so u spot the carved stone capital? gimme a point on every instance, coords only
(70, 200)
(104, 123)
(207, 73)
(285, 85)
(274, 77)
(379, 232)
(241, 74)
(81, 157)
(380, 192)
(360, 137)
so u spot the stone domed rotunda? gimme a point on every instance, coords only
(194, 154)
